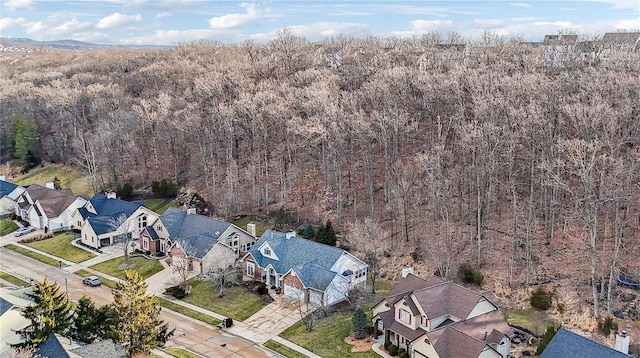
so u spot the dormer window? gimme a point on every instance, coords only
(267, 251)
(404, 316)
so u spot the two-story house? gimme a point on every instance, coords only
(438, 318)
(45, 207)
(104, 219)
(9, 194)
(304, 269)
(207, 243)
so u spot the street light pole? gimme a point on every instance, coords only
(66, 287)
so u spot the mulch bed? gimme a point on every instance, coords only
(253, 288)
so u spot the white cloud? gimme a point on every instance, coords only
(317, 31)
(7, 23)
(117, 20)
(171, 37)
(162, 4)
(621, 4)
(487, 24)
(559, 24)
(13, 5)
(163, 14)
(526, 18)
(519, 4)
(69, 27)
(231, 21)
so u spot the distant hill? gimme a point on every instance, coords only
(64, 44)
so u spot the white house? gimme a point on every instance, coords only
(97, 219)
(44, 207)
(9, 194)
(304, 269)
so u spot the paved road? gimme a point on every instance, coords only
(200, 338)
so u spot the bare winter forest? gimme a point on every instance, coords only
(482, 153)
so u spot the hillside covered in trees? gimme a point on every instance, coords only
(477, 153)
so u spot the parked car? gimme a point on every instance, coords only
(24, 230)
(92, 281)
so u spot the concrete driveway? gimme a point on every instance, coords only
(273, 319)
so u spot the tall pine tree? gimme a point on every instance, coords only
(50, 313)
(139, 326)
(91, 323)
(360, 324)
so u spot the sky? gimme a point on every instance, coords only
(171, 22)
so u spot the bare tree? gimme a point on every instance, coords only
(224, 277)
(123, 228)
(86, 158)
(182, 265)
(306, 310)
(373, 242)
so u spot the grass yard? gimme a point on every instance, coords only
(105, 281)
(159, 205)
(33, 255)
(327, 339)
(12, 279)
(531, 319)
(261, 227)
(188, 312)
(237, 302)
(180, 353)
(69, 179)
(60, 246)
(282, 349)
(7, 226)
(145, 267)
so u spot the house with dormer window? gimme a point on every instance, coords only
(96, 220)
(438, 318)
(206, 243)
(304, 269)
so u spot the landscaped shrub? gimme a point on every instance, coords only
(360, 324)
(470, 275)
(386, 345)
(541, 299)
(176, 291)
(262, 289)
(403, 355)
(606, 325)
(401, 351)
(393, 350)
(125, 191)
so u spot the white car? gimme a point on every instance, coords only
(92, 281)
(24, 230)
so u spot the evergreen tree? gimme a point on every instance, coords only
(139, 326)
(360, 324)
(325, 234)
(309, 232)
(25, 141)
(50, 313)
(91, 323)
(57, 185)
(548, 335)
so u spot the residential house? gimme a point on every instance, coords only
(559, 50)
(9, 194)
(100, 220)
(304, 269)
(567, 344)
(207, 243)
(438, 318)
(44, 207)
(11, 304)
(57, 346)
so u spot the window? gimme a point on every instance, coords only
(404, 316)
(267, 251)
(250, 268)
(160, 228)
(145, 243)
(79, 223)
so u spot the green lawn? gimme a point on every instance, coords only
(69, 179)
(60, 246)
(105, 281)
(145, 267)
(327, 339)
(188, 312)
(33, 255)
(282, 349)
(159, 205)
(12, 279)
(7, 226)
(237, 302)
(261, 227)
(180, 353)
(531, 319)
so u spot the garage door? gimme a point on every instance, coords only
(293, 292)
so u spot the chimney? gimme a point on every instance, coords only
(290, 234)
(622, 342)
(406, 271)
(192, 211)
(49, 185)
(251, 229)
(111, 195)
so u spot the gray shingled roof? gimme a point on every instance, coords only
(199, 231)
(53, 202)
(313, 275)
(4, 306)
(101, 349)
(52, 348)
(567, 344)
(294, 252)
